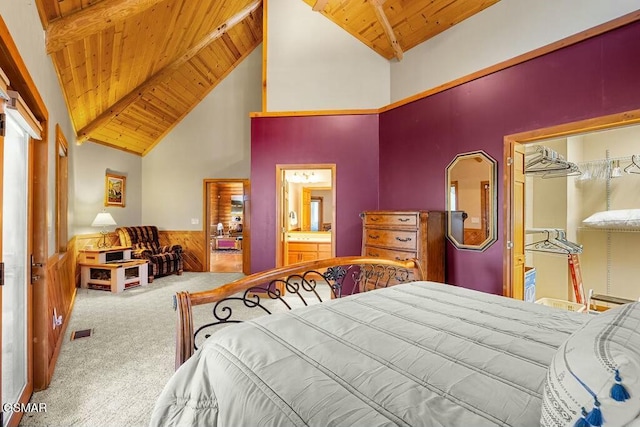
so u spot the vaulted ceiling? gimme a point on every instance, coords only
(130, 70)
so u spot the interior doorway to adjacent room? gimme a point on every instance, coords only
(227, 225)
(306, 212)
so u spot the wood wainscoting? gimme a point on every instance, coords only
(193, 251)
(61, 295)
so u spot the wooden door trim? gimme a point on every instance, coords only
(62, 191)
(610, 121)
(280, 168)
(484, 203)
(38, 316)
(246, 223)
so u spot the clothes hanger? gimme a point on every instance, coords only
(572, 169)
(550, 164)
(547, 245)
(561, 240)
(635, 164)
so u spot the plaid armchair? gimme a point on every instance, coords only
(144, 243)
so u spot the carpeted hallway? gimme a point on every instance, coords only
(114, 377)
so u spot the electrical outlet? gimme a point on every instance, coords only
(195, 221)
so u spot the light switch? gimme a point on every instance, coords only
(475, 220)
(195, 221)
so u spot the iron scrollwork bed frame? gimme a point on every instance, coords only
(343, 275)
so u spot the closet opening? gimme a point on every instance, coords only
(569, 196)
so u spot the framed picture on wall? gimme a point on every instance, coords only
(115, 186)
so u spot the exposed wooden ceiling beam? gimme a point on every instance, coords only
(131, 97)
(91, 20)
(320, 5)
(386, 26)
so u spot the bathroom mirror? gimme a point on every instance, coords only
(472, 201)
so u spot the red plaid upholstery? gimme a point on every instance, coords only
(144, 242)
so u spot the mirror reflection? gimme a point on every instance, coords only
(471, 200)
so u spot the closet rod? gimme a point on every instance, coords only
(605, 160)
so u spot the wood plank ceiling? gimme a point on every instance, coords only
(130, 70)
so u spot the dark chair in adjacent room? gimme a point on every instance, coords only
(143, 240)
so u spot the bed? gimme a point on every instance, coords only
(388, 348)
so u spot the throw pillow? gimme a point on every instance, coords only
(594, 377)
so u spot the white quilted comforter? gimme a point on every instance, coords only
(418, 354)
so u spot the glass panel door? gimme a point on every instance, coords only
(15, 257)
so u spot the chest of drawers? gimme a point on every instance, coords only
(402, 235)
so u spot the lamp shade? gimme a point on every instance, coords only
(103, 219)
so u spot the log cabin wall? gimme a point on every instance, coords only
(213, 205)
(220, 202)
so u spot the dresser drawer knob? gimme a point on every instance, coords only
(404, 219)
(400, 239)
(373, 237)
(374, 218)
(373, 255)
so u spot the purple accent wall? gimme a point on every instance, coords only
(350, 142)
(402, 154)
(593, 78)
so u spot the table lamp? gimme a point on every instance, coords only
(220, 229)
(103, 219)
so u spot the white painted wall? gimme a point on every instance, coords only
(24, 25)
(87, 163)
(610, 261)
(501, 32)
(213, 141)
(90, 162)
(313, 64)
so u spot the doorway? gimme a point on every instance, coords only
(305, 212)
(515, 214)
(16, 295)
(226, 219)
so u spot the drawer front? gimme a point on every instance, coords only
(408, 220)
(303, 247)
(388, 254)
(396, 239)
(324, 247)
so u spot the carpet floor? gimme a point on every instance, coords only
(114, 377)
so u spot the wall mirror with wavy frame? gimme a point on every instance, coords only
(472, 201)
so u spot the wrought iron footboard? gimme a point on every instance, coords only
(285, 288)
